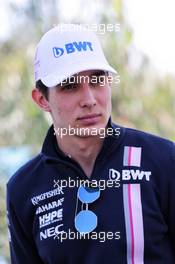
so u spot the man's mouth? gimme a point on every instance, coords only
(90, 119)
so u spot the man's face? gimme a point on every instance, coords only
(83, 101)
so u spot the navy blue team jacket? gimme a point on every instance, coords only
(135, 172)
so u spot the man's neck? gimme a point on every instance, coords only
(83, 150)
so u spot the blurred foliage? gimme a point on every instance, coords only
(4, 249)
(142, 99)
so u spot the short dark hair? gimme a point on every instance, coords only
(42, 88)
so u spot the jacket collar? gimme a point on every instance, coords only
(51, 151)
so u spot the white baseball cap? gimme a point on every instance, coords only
(63, 52)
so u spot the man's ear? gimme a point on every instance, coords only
(40, 100)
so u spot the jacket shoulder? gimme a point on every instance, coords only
(162, 146)
(24, 172)
(148, 136)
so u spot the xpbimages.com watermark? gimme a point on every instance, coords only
(101, 184)
(100, 78)
(101, 236)
(102, 132)
(100, 28)
(96, 79)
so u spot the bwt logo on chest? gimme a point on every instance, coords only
(72, 47)
(126, 175)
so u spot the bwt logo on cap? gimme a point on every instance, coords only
(72, 47)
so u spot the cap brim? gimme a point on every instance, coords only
(59, 76)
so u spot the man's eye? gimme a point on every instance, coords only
(98, 80)
(68, 87)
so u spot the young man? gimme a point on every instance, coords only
(97, 192)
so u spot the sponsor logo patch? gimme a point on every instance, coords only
(72, 47)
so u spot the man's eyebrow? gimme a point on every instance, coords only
(98, 73)
(69, 80)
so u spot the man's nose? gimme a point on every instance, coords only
(87, 96)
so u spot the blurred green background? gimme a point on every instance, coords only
(143, 99)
